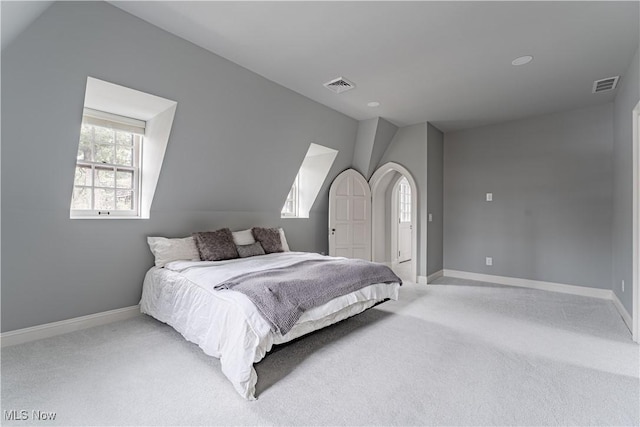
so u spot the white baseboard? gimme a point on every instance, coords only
(623, 311)
(607, 294)
(434, 276)
(534, 284)
(425, 280)
(48, 330)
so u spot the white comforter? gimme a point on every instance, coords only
(226, 324)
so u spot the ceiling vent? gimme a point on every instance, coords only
(339, 85)
(604, 85)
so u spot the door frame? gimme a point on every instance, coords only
(377, 192)
(395, 214)
(395, 223)
(636, 224)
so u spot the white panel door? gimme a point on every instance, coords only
(350, 216)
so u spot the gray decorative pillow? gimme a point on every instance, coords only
(269, 238)
(215, 245)
(250, 250)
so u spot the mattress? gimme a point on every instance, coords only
(226, 324)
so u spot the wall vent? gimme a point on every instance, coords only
(339, 85)
(604, 85)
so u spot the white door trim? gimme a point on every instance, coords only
(374, 183)
(395, 214)
(636, 223)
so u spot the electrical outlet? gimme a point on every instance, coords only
(488, 260)
(430, 217)
(623, 286)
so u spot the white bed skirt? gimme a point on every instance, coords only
(226, 324)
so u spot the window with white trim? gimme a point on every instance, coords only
(107, 175)
(290, 208)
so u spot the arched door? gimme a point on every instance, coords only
(403, 216)
(350, 216)
(380, 182)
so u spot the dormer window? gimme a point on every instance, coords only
(291, 206)
(114, 176)
(308, 181)
(107, 173)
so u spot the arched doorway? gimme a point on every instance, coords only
(383, 220)
(401, 224)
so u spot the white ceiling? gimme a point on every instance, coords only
(105, 96)
(444, 62)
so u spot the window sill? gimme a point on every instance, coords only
(105, 217)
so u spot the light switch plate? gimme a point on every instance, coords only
(489, 197)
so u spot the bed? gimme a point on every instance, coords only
(227, 324)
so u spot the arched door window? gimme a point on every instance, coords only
(404, 193)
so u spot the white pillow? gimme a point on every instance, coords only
(244, 237)
(283, 241)
(167, 250)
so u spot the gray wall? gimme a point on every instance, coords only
(364, 144)
(409, 149)
(551, 179)
(236, 145)
(385, 132)
(435, 201)
(626, 99)
(374, 137)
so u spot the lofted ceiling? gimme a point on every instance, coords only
(448, 63)
(18, 15)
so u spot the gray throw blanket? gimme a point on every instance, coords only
(282, 295)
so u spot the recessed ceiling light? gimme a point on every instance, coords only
(373, 104)
(522, 60)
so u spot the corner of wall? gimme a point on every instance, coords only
(622, 262)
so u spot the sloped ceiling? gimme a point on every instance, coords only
(444, 62)
(18, 15)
